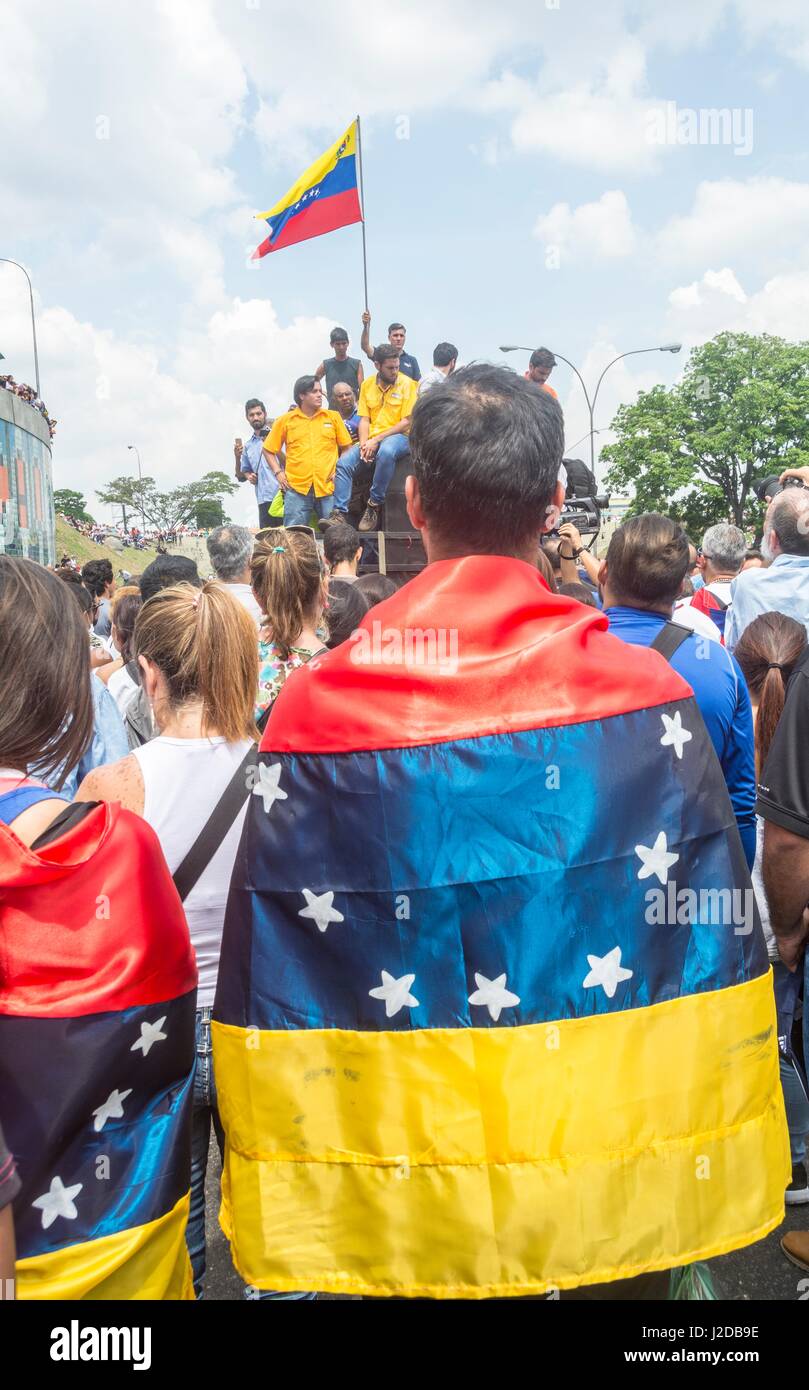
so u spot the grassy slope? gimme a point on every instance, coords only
(72, 542)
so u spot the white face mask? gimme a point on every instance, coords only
(767, 551)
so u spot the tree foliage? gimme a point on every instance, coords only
(166, 510)
(696, 450)
(69, 502)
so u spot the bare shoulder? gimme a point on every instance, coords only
(121, 782)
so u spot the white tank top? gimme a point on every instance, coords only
(122, 688)
(183, 778)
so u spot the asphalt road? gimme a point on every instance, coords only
(760, 1271)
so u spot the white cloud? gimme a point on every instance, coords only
(602, 229)
(718, 303)
(109, 391)
(734, 218)
(136, 109)
(603, 121)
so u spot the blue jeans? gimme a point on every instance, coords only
(797, 1107)
(299, 507)
(387, 456)
(206, 1111)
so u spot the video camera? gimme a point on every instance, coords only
(771, 486)
(583, 502)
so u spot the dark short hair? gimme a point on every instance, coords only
(46, 702)
(647, 560)
(302, 385)
(376, 587)
(347, 608)
(391, 327)
(443, 354)
(550, 549)
(384, 352)
(542, 357)
(77, 587)
(486, 451)
(165, 571)
(338, 335)
(341, 542)
(97, 574)
(579, 591)
(252, 403)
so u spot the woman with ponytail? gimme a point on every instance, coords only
(289, 584)
(197, 654)
(767, 652)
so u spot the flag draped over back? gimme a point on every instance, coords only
(97, 1000)
(324, 198)
(460, 1051)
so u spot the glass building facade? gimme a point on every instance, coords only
(27, 522)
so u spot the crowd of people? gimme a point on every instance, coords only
(367, 926)
(29, 395)
(305, 463)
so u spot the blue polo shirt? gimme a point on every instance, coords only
(253, 461)
(721, 695)
(409, 365)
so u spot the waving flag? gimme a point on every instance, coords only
(324, 198)
(463, 1047)
(97, 998)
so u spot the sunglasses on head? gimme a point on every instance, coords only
(273, 531)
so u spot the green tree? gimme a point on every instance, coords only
(209, 513)
(166, 510)
(695, 451)
(71, 503)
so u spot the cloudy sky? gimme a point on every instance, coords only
(536, 171)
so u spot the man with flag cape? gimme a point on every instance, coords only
(459, 1055)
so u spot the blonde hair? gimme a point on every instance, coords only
(286, 575)
(203, 641)
(125, 591)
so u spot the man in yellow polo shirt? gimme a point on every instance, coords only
(314, 439)
(386, 404)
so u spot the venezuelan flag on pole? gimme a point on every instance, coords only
(321, 200)
(97, 999)
(460, 1049)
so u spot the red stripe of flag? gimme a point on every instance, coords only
(556, 664)
(317, 218)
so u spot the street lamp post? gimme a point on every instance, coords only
(140, 480)
(7, 261)
(591, 404)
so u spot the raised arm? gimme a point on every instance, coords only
(365, 340)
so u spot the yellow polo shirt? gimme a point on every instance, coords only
(388, 405)
(312, 448)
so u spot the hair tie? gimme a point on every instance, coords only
(777, 665)
(279, 550)
(195, 600)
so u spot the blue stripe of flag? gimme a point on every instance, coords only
(340, 179)
(511, 854)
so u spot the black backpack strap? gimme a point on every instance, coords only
(216, 827)
(670, 637)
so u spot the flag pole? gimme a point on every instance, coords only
(362, 203)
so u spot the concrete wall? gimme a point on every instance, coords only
(27, 522)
